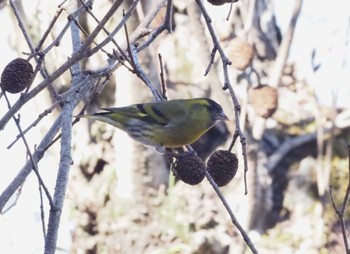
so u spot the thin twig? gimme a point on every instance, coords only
(231, 8)
(340, 212)
(212, 60)
(147, 21)
(21, 25)
(168, 16)
(42, 211)
(48, 30)
(234, 139)
(138, 69)
(34, 164)
(232, 216)
(57, 41)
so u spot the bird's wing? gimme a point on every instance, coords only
(161, 113)
(125, 114)
(166, 113)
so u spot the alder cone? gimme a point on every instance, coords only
(17, 75)
(240, 53)
(222, 166)
(264, 100)
(190, 168)
(221, 2)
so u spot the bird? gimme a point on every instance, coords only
(170, 124)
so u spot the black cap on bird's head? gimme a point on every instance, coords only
(216, 111)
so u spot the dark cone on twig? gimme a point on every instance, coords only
(264, 100)
(222, 166)
(240, 53)
(17, 75)
(221, 2)
(190, 168)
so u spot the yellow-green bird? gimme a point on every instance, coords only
(173, 123)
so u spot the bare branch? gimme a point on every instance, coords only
(66, 140)
(227, 85)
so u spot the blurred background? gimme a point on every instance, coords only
(291, 75)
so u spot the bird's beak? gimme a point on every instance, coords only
(221, 116)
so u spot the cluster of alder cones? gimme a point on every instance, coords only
(263, 98)
(222, 167)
